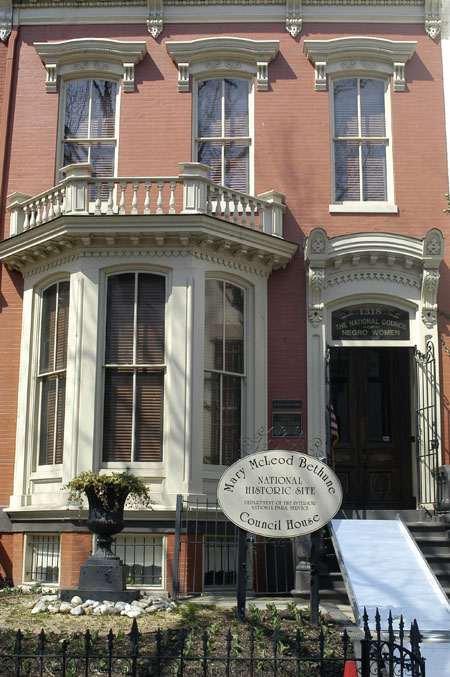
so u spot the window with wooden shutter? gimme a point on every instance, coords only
(90, 125)
(360, 140)
(134, 368)
(223, 130)
(52, 372)
(224, 372)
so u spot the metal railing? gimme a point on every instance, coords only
(191, 192)
(427, 441)
(42, 558)
(206, 554)
(173, 652)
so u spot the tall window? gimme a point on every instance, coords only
(224, 371)
(134, 368)
(360, 140)
(90, 124)
(52, 372)
(223, 134)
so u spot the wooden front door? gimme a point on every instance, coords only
(370, 392)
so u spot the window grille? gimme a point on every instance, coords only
(42, 558)
(142, 557)
(220, 560)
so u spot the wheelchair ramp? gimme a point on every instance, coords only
(383, 568)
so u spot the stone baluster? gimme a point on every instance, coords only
(44, 218)
(98, 200)
(62, 203)
(51, 209)
(159, 202)
(134, 202)
(38, 212)
(26, 211)
(236, 208)
(172, 197)
(219, 198)
(122, 204)
(33, 215)
(110, 205)
(147, 203)
(244, 211)
(226, 211)
(253, 206)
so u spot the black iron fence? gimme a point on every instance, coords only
(427, 441)
(174, 653)
(206, 552)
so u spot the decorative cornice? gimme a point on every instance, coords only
(6, 10)
(359, 53)
(90, 55)
(215, 54)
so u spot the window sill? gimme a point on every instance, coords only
(364, 208)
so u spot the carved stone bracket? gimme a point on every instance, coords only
(429, 292)
(433, 18)
(155, 17)
(5, 19)
(294, 17)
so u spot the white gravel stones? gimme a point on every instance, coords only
(147, 604)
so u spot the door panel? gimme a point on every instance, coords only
(370, 392)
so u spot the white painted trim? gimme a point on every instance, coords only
(208, 56)
(371, 267)
(91, 57)
(364, 207)
(358, 55)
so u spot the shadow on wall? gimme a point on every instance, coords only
(5, 567)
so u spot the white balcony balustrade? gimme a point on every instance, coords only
(191, 192)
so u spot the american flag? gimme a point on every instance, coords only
(334, 427)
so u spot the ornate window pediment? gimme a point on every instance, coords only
(86, 57)
(360, 54)
(222, 55)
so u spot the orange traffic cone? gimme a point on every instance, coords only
(350, 669)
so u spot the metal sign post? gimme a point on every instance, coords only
(241, 575)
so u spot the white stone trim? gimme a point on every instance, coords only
(90, 57)
(358, 54)
(365, 267)
(222, 55)
(294, 18)
(364, 207)
(433, 21)
(155, 17)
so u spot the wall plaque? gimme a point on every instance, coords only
(370, 322)
(286, 424)
(279, 494)
(287, 404)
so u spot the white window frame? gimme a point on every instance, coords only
(89, 141)
(375, 206)
(243, 377)
(47, 469)
(103, 299)
(223, 139)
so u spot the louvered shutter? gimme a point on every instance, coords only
(134, 394)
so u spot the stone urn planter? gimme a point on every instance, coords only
(103, 575)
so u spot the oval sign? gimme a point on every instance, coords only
(279, 493)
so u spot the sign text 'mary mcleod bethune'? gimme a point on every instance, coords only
(279, 493)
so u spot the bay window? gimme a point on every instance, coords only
(134, 367)
(361, 143)
(52, 372)
(223, 130)
(224, 371)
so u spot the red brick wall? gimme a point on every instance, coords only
(6, 563)
(75, 548)
(17, 558)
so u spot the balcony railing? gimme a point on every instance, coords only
(191, 192)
